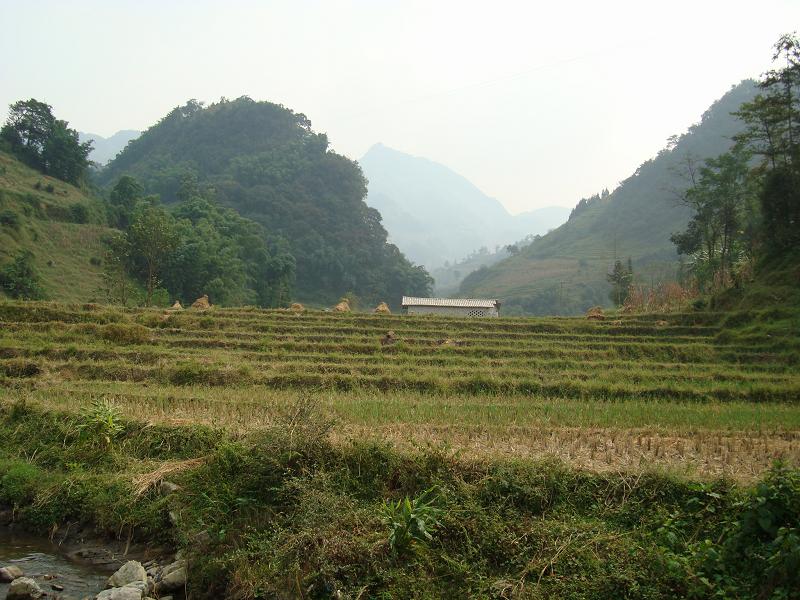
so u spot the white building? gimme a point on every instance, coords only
(461, 307)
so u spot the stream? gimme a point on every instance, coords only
(44, 562)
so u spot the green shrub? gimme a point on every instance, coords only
(122, 333)
(79, 213)
(19, 483)
(19, 278)
(9, 218)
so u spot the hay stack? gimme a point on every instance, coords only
(383, 308)
(595, 314)
(343, 306)
(201, 303)
(176, 306)
(297, 307)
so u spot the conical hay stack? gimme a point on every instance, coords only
(595, 313)
(297, 307)
(383, 308)
(201, 303)
(343, 306)
(176, 306)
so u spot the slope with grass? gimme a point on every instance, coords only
(62, 225)
(564, 272)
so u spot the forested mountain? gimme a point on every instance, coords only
(104, 149)
(435, 215)
(266, 162)
(565, 271)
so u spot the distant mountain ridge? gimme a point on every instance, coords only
(435, 215)
(105, 149)
(564, 272)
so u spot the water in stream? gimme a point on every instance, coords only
(39, 558)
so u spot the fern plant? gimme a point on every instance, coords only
(412, 521)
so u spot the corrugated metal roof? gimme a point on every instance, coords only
(460, 302)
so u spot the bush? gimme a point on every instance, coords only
(95, 262)
(9, 218)
(49, 188)
(19, 278)
(79, 213)
(18, 483)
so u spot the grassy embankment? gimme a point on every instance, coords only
(235, 405)
(62, 225)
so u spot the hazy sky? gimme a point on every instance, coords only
(536, 103)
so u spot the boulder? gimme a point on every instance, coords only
(24, 588)
(595, 314)
(10, 573)
(383, 308)
(131, 572)
(128, 592)
(201, 303)
(173, 577)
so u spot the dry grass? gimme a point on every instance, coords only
(142, 482)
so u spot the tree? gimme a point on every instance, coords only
(620, 279)
(773, 132)
(153, 237)
(724, 227)
(122, 199)
(43, 142)
(19, 278)
(118, 264)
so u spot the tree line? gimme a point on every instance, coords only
(746, 202)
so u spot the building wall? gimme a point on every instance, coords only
(456, 311)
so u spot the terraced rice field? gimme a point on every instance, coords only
(625, 393)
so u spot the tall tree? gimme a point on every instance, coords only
(620, 279)
(153, 237)
(44, 142)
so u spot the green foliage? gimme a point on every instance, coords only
(18, 482)
(101, 423)
(9, 218)
(152, 238)
(19, 278)
(40, 140)
(757, 549)
(412, 521)
(265, 161)
(723, 231)
(620, 279)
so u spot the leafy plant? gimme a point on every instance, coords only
(412, 521)
(102, 422)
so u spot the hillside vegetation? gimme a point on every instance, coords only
(267, 163)
(61, 225)
(564, 272)
(543, 457)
